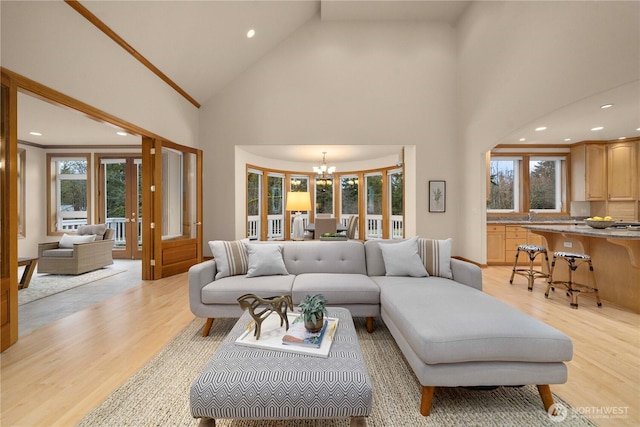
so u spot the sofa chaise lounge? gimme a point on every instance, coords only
(451, 333)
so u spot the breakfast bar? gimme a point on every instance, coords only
(615, 254)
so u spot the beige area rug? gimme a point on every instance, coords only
(158, 394)
(44, 285)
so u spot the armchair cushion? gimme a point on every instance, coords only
(98, 229)
(68, 240)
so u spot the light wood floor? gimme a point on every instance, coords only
(58, 373)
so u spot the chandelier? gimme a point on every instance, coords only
(324, 173)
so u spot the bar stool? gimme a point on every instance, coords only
(574, 260)
(530, 273)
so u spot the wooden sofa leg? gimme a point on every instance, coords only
(545, 394)
(425, 402)
(369, 324)
(207, 326)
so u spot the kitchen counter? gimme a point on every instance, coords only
(615, 254)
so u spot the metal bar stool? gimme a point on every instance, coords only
(574, 260)
(530, 273)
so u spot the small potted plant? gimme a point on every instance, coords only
(313, 308)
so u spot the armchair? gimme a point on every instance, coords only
(81, 257)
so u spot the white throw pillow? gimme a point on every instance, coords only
(265, 260)
(402, 259)
(68, 240)
(231, 257)
(436, 256)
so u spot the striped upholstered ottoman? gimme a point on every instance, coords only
(251, 383)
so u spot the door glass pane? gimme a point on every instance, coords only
(179, 187)
(138, 164)
(115, 198)
(171, 193)
(397, 203)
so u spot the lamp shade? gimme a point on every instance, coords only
(298, 201)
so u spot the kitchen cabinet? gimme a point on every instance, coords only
(622, 171)
(495, 243)
(588, 172)
(503, 241)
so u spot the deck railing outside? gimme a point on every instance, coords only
(275, 229)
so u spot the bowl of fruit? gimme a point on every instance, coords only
(599, 222)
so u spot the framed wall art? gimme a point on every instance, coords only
(437, 196)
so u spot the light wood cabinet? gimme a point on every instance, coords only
(588, 172)
(495, 243)
(503, 241)
(622, 171)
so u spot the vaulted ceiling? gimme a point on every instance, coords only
(203, 46)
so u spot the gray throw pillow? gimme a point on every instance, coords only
(402, 259)
(265, 260)
(230, 256)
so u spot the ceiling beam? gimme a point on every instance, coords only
(75, 4)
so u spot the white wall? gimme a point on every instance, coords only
(521, 60)
(51, 43)
(341, 83)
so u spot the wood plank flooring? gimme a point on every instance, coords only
(58, 373)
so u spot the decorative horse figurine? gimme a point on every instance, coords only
(270, 305)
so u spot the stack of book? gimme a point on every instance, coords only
(300, 336)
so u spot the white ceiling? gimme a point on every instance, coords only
(203, 47)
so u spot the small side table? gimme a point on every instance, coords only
(29, 267)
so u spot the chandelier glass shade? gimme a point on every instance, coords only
(324, 172)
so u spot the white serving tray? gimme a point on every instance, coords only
(271, 334)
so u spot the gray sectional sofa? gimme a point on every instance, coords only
(451, 333)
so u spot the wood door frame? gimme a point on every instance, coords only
(9, 227)
(131, 251)
(47, 94)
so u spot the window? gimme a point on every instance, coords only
(69, 192)
(527, 183)
(505, 181)
(324, 196)
(545, 184)
(349, 195)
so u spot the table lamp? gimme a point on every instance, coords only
(298, 201)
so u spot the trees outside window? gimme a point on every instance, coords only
(527, 183)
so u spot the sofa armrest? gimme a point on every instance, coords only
(46, 246)
(466, 273)
(199, 276)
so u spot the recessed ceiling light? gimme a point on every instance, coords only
(122, 133)
(567, 139)
(538, 129)
(251, 33)
(598, 128)
(523, 139)
(606, 106)
(622, 137)
(35, 133)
